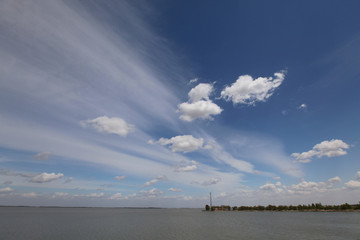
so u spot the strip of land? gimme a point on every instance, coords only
(315, 207)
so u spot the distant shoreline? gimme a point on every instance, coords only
(352, 210)
(314, 207)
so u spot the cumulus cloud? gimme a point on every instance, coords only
(247, 90)
(305, 187)
(155, 180)
(188, 168)
(60, 195)
(8, 182)
(199, 104)
(151, 193)
(46, 177)
(272, 187)
(352, 184)
(116, 196)
(175, 190)
(114, 125)
(302, 107)
(42, 156)
(95, 195)
(200, 109)
(6, 190)
(358, 175)
(184, 143)
(211, 181)
(29, 195)
(302, 188)
(200, 92)
(120, 178)
(90, 195)
(332, 148)
(334, 179)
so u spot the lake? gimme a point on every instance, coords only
(117, 223)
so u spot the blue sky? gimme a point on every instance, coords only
(134, 103)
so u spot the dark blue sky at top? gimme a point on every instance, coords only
(220, 41)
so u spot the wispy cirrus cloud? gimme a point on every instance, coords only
(42, 156)
(119, 178)
(175, 190)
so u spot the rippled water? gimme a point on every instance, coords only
(116, 223)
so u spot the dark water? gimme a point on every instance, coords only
(115, 223)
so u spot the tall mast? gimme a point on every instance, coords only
(210, 202)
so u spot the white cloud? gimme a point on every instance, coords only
(151, 193)
(194, 80)
(175, 190)
(60, 195)
(247, 90)
(271, 187)
(199, 105)
(219, 154)
(120, 178)
(211, 181)
(188, 168)
(68, 180)
(358, 175)
(305, 187)
(200, 109)
(200, 92)
(352, 184)
(116, 196)
(29, 195)
(5, 190)
(46, 177)
(113, 125)
(332, 148)
(94, 195)
(42, 156)
(184, 143)
(155, 180)
(334, 179)
(90, 195)
(277, 178)
(302, 107)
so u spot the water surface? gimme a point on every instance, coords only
(117, 223)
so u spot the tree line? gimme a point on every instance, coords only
(309, 207)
